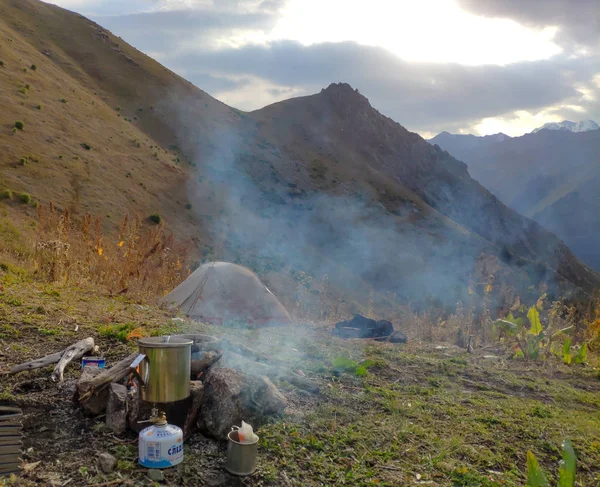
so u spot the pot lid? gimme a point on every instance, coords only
(166, 341)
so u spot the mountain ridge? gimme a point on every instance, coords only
(545, 175)
(322, 185)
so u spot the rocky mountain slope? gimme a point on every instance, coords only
(323, 196)
(550, 176)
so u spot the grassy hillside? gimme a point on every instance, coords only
(329, 201)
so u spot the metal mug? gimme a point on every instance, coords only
(164, 368)
(241, 457)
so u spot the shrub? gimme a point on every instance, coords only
(60, 156)
(19, 125)
(62, 100)
(6, 194)
(22, 161)
(155, 218)
(40, 106)
(1, 63)
(23, 90)
(27, 86)
(188, 206)
(33, 67)
(86, 146)
(25, 198)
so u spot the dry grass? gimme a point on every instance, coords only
(141, 263)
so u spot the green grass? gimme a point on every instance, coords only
(118, 331)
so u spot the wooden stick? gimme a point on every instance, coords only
(114, 374)
(37, 363)
(75, 351)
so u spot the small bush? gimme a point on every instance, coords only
(60, 156)
(188, 206)
(27, 86)
(33, 67)
(24, 70)
(23, 91)
(62, 100)
(6, 194)
(22, 161)
(19, 125)
(1, 63)
(40, 106)
(155, 218)
(86, 146)
(25, 198)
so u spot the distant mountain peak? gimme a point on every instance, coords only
(344, 93)
(582, 126)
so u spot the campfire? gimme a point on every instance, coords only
(179, 385)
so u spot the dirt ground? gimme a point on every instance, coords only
(387, 415)
(421, 415)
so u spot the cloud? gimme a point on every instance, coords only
(579, 20)
(421, 96)
(225, 48)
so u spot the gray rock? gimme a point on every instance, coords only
(116, 410)
(231, 396)
(108, 463)
(398, 337)
(277, 401)
(96, 404)
(156, 475)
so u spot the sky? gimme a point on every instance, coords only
(463, 66)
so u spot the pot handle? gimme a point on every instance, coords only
(134, 365)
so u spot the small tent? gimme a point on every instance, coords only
(219, 292)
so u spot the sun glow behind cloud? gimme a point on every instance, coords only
(480, 61)
(423, 31)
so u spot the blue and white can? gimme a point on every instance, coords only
(161, 446)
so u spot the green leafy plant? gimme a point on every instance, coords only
(566, 351)
(1, 63)
(533, 316)
(25, 198)
(529, 340)
(19, 125)
(33, 67)
(566, 469)
(6, 194)
(344, 364)
(155, 218)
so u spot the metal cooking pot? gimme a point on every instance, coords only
(164, 368)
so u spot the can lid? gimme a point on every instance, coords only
(166, 341)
